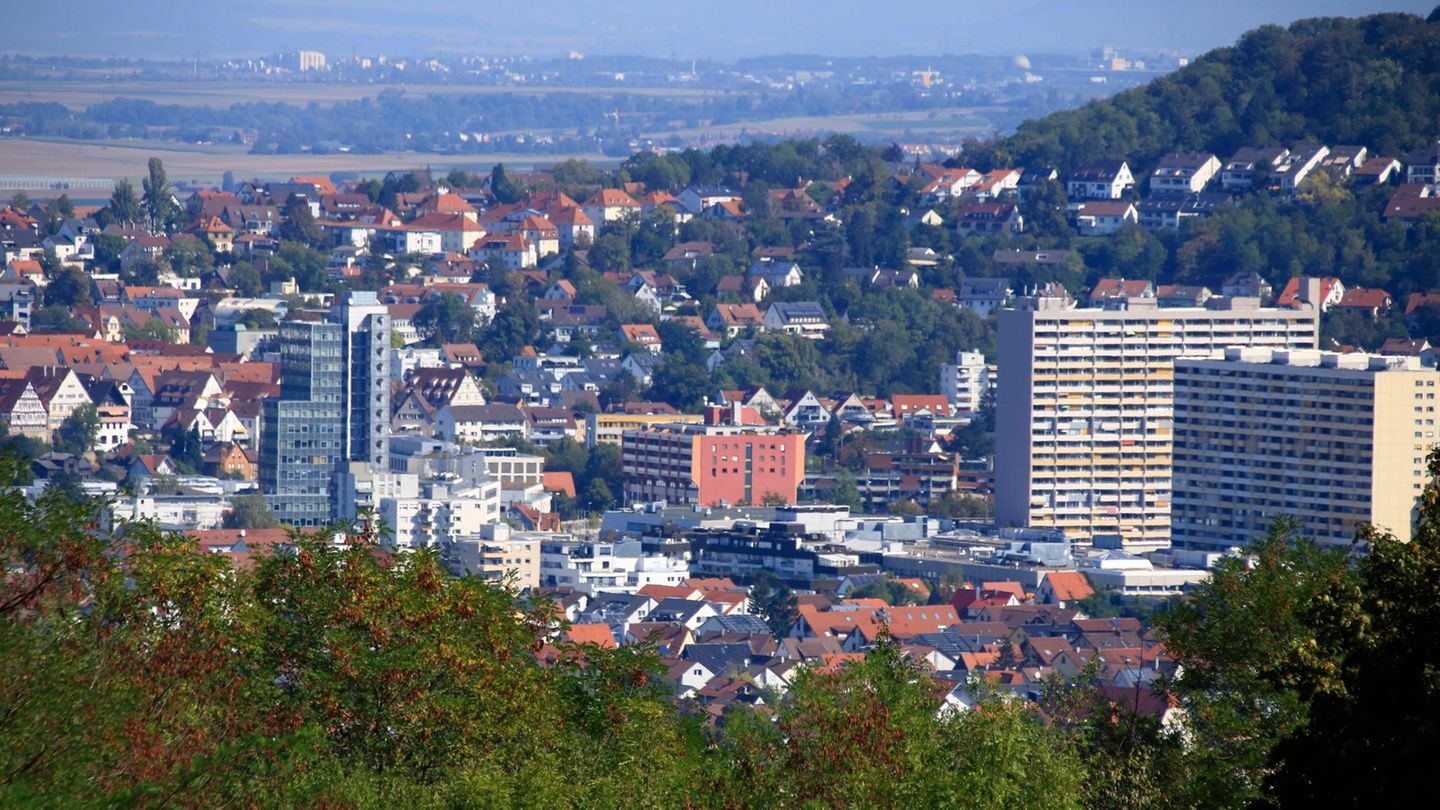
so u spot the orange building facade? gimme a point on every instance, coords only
(711, 465)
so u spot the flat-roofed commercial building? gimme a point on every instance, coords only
(1334, 440)
(610, 428)
(1084, 406)
(713, 465)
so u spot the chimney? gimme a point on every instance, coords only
(1311, 286)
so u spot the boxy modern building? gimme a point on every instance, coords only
(1084, 406)
(1333, 440)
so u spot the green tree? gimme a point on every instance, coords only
(516, 325)
(69, 288)
(246, 280)
(885, 706)
(505, 188)
(299, 223)
(772, 600)
(108, 247)
(1260, 642)
(256, 318)
(681, 384)
(124, 205)
(57, 318)
(894, 593)
(598, 496)
(161, 211)
(846, 493)
(186, 447)
(153, 329)
(77, 432)
(446, 319)
(189, 257)
(574, 175)
(250, 511)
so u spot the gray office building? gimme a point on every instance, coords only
(333, 408)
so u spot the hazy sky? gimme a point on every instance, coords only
(648, 27)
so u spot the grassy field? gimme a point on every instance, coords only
(114, 159)
(79, 95)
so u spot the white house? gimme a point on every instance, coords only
(1104, 180)
(475, 424)
(804, 318)
(1184, 173)
(1104, 217)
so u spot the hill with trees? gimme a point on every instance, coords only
(1371, 80)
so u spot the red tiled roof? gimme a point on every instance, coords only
(558, 481)
(1069, 585)
(597, 634)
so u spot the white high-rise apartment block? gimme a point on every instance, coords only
(1084, 406)
(1333, 440)
(307, 61)
(441, 513)
(965, 383)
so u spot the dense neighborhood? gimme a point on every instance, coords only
(808, 469)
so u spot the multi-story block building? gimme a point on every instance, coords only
(1084, 406)
(610, 428)
(966, 382)
(713, 464)
(333, 408)
(441, 513)
(1333, 440)
(498, 554)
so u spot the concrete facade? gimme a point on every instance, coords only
(1334, 440)
(1084, 406)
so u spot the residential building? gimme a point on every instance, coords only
(1105, 180)
(333, 408)
(443, 511)
(983, 296)
(1299, 291)
(1302, 161)
(1377, 171)
(1104, 217)
(17, 301)
(1336, 441)
(965, 382)
(989, 219)
(804, 318)
(1183, 173)
(609, 205)
(477, 424)
(1084, 406)
(21, 410)
(1250, 166)
(609, 428)
(1163, 211)
(498, 553)
(712, 464)
(1422, 166)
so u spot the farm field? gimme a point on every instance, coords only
(29, 157)
(79, 95)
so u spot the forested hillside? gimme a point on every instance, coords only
(1370, 80)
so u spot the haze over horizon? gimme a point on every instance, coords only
(742, 28)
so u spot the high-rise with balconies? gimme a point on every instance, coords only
(1332, 440)
(1084, 408)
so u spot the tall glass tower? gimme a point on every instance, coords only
(334, 408)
